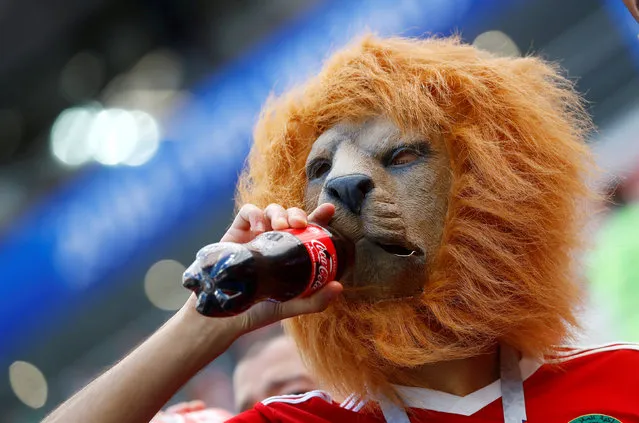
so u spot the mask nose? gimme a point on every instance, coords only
(350, 190)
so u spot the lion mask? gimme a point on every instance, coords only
(459, 176)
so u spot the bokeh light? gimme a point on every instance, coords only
(113, 136)
(162, 285)
(148, 139)
(498, 43)
(109, 136)
(69, 135)
(28, 384)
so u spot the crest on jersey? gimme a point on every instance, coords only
(595, 418)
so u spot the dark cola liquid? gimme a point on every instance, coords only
(228, 278)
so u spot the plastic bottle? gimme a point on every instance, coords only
(228, 278)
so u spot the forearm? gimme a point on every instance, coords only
(137, 387)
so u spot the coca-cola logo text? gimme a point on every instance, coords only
(324, 265)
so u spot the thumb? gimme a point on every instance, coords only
(266, 312)
(317, 302)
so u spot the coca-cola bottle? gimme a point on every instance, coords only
(228, 278)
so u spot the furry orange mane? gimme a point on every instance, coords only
(514, 132)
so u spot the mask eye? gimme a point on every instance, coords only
(317, 169)
(403, 156)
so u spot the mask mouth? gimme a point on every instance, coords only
(401, 250)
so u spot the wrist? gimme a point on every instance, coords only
(207, 337)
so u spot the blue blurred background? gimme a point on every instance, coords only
(124, 124)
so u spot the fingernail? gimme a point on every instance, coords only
(259, 227)
(281, 221)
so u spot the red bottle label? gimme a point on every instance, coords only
(323, 256)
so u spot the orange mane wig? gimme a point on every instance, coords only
(513, 129)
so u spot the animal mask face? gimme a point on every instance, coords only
(475, 162)
(390, 192)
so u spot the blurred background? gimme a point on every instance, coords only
(124, 124)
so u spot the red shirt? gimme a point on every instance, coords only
(588, 385)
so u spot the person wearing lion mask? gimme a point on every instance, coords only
(460, 178)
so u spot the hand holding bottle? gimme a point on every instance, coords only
(231, 276)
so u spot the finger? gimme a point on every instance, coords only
(276, 215)
(296, 218)
(196, 405)
(249, 217)
(322, 214)
(313, 304)
(249, 220)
